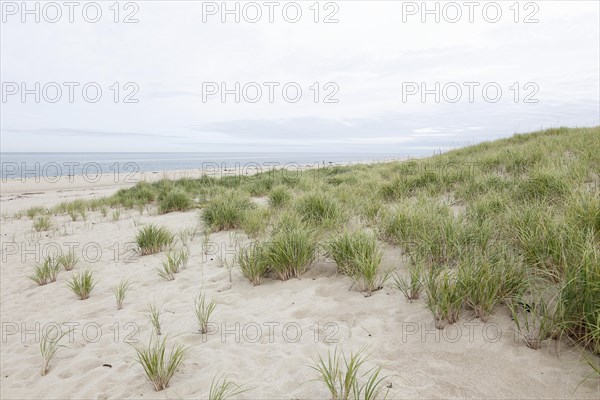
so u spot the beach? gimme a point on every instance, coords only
(263, 336)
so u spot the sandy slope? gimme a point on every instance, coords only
(267, 334)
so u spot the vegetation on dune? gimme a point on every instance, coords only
(319, 209)
(253, 262)
(173, 264)
(358, 256)
(153, 239)
(203, 310)
(226, 210)
(120, 292)
(46, 271)
(291, 248)
(344, 379)
(503, 214)
(174, 200)
(49, 346)
(222, 388)
(82, 283)
(160, 364)
(42, 223)
(68, 261)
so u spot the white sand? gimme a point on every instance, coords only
(426, 364)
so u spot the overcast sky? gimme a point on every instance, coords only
(372, 61)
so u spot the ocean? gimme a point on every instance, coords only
(31, 165)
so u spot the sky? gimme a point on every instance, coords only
(337, 76)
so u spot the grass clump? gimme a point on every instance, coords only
(203, 311)
(542, 185)
(68, 261)
(412, 287)
(319, 209)
(49, 346)
(253, 261)
(444, 297)
(369, 276)
(358, 256)
(75, 209)
(291, 249)
(116, 214)
(42, 223)
(153, 314)
(173, 264)
(31, 212)
(174, 200)
(255, 221)
(82, 283)
(226, 211)
(344, 379)
(536, 318)
(279, 197)
(120, 293)
(584, 212)
(153, 239)
(46, 271)
(160, 364)
(344, 248)
(221, 388)
(481, 283)
(579, 296)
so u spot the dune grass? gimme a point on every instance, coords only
(203, 311)
(480, 281)
(32, 212)
(444, 297)
(358, 256)
(319, 209)
(412, 286)
(536, 317)
(46, 271)
(174, 200)
(291, 249)
(175, 261)
(222, 388)
(344, 379)
(116, 214)
(255, 221)
(120, 292)
(159, 363)
(68, 261)
(82, 283)
(253, 262)
(153, 314)
(42, 223)
(501, 213)
(153, 239)
(279, 197)
(226, 211)
(49, 346)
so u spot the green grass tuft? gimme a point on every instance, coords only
(42, 223)
(344, 379)
(82, 284)
(291, 249)
(254, 262)
(226, 211)
(174, 200)
(153, 239)
(203, 311)
(160, 364)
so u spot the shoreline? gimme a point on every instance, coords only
(21, 193)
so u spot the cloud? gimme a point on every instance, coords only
(368, 53)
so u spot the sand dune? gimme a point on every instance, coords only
(267, 335)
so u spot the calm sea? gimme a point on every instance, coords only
(20, 165)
